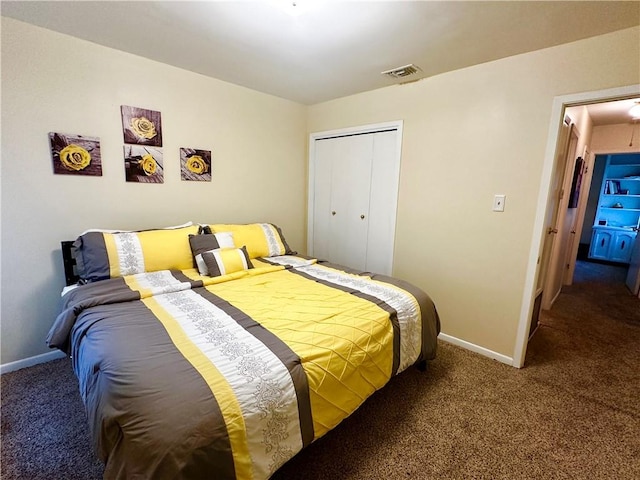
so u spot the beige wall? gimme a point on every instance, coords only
(53, 82)
(584, 127)
(616, 138)
(468, 135)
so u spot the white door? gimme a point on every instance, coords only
(320, 202)
(556, 194)
(353, 198)
(563, 224)
(342, 185)
(349, 208)
(385, 173)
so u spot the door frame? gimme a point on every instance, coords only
(345, 132)
(557, 116)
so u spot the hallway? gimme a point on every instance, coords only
(591, 338)
(598, 294)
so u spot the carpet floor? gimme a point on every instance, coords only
(571, 413)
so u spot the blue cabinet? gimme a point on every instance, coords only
(600, 243)
(612, 244)
(622, 246)
(618, 214)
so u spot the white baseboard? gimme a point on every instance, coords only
(31, 361)
(477, 349)
(47, 357)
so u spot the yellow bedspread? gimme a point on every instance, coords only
(232, 375)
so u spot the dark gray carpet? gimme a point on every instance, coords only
(44, 427)
(571, 413)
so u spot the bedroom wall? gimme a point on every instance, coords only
(616, 138)
(53, 82)
(470, 134)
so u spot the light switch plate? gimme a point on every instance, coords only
(498, 203)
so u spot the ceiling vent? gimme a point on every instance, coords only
(402, 72)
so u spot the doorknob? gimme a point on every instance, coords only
(552, 230)
(333, 213)
(362, 217)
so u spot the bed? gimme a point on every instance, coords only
(215, 351)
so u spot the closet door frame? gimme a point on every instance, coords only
(396, 125)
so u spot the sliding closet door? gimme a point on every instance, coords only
(353, 192)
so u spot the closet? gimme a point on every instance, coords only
(353, 192)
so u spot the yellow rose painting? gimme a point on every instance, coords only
(148, 165)
(141, 126)
(74, 157)
(195, 165)
(143, 164)
(75, 154)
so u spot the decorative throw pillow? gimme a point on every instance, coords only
(223, 261)
(261, 239)
(102, 255)
(206, 243)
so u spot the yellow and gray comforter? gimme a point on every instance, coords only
(186, 376)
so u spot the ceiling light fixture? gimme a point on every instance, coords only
(635, 111)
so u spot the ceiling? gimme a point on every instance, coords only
(609, 113)
(321, 50)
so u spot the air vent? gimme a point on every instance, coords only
(401, 72)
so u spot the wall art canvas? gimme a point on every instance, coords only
(576, 183)
(75, 154)
(143, 164)
(141, 126)
(195, 165)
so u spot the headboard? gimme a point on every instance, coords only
(69, 262)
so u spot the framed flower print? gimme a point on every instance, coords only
(143, 164)
(75, 154)
(141, 126)
(195, 165)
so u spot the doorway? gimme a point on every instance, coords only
(544, 197)
(586, 216)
